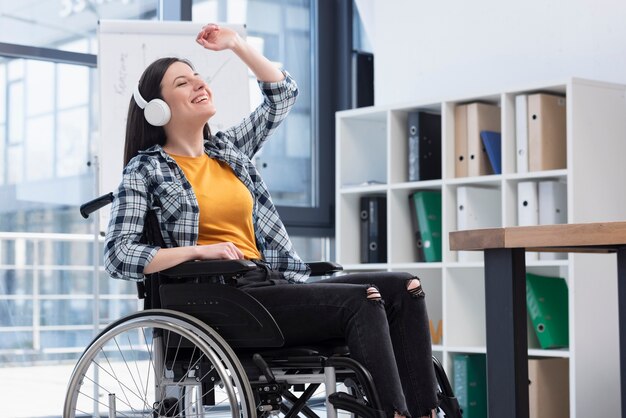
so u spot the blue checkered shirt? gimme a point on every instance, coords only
(153, 180)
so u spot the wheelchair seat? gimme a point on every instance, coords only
(200, 290)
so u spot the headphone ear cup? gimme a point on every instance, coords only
(157, 112)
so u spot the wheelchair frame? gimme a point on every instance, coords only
(256, 372)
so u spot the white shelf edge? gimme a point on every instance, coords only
(538, 352)
(491, 179)
(533, 352)
(537, 175)
(464, 264)
(480, 264)
(373, 188)
(466, 349)
(425, 184)
(365, 267)
(416, 265)
(548, 263)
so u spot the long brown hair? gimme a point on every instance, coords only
(140, 135)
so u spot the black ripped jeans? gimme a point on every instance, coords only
(391, 338)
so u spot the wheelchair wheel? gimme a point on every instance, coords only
(159, 363)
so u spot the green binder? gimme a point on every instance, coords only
(427, 210)
(470, 384)
(546, 300)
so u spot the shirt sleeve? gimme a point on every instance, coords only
(124, 256)
(278, 99)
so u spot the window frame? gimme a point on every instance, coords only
(331, 74)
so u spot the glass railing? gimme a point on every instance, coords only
(55, 296)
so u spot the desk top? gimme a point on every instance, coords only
(583, 237)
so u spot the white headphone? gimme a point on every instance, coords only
(156, 111)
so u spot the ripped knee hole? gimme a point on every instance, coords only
(414, 287)
(373, 293)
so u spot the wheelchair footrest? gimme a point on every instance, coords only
(342, 400)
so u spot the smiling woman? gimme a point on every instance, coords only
(52, 297)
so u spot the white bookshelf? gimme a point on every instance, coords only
(371, 158)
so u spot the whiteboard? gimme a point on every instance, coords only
(126, 48)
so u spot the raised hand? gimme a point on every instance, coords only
(217, 38)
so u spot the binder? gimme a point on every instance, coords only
(427, 210)
(373, 229)
(417, 235)
(477, 207)
(493, 144)
(470, 384)
(470, 120)
(531, 336)
(552, 210)
(548, 388)
(460, 141)
(528, 209)
(521, 132)
(424, 131)
(547, 303)
(480, 117)
(362, 79)
(546, 132)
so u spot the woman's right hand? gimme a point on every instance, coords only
(169, 257)
(216, 38)
(220, 251)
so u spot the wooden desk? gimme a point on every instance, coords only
(505, 298)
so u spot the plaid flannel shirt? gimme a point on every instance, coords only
(153, 180)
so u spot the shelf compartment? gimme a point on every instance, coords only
(404, 247)
(464, 312)
(404, 127)
(362, 151)
(349, 226)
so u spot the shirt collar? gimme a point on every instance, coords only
(209, 147)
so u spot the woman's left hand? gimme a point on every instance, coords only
(217, 38)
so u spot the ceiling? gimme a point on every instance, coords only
(52, 23)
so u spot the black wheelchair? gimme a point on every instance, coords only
(203, 348)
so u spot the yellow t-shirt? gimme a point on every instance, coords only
(225, 203)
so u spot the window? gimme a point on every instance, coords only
(52, 300)
(297, 163)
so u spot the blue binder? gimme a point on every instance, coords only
(493, 144)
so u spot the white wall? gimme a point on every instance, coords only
(454, 48)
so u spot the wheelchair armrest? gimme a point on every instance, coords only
(320, 268)
(232, 267)
(209, 268)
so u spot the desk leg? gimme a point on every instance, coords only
(507, 345)
(621, 301)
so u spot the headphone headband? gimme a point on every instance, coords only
(141, 102)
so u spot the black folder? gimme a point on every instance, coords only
(424, 134)
(373, 229)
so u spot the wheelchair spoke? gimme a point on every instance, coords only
(120, 384)
(177, 349)
(145, 389)
(103, 404)
(176, 365)
(127, 366)
(148, 346)
(114, 376)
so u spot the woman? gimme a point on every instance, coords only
(212, 204)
